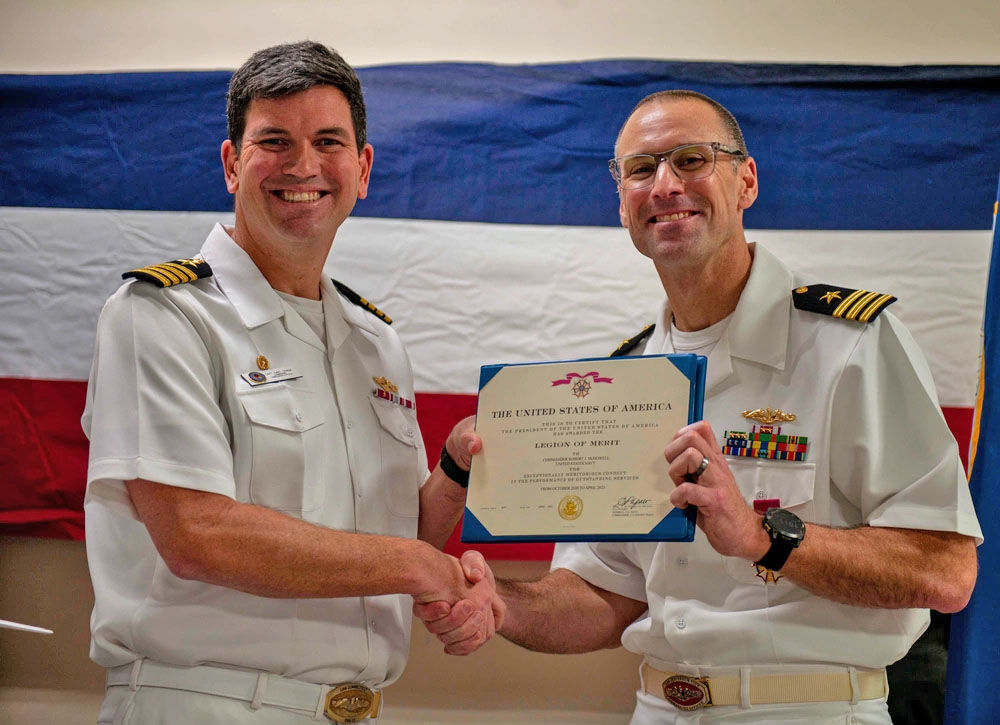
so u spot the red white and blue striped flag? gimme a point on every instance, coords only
(491, 232)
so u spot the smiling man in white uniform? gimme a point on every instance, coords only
(833, 509)
(257, 480)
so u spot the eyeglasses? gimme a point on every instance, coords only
(689, 162)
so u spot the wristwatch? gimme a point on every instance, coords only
(786, 531)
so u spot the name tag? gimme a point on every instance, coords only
(263, 377)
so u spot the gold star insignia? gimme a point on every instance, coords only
(767, 575)
(830, 297)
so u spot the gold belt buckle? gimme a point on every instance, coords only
(352, 702)
(687, 693)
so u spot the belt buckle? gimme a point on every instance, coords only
(351, 702)
(687, 693)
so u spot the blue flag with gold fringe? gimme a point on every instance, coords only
(972, 694)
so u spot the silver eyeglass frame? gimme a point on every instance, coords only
(614, 165)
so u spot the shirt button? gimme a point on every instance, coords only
(374, 628)
(298, 416)
(350, 424)
(682, 561)
(681, 623)
(408, 432)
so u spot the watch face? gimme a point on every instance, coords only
(785, 523)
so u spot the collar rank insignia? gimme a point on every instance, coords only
(850, 304)
(633, 342)
(354, 298)
(168, 274)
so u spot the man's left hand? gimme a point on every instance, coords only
(732, 527)
(463, 443)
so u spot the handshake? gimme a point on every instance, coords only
(468, 615)
(456, 599)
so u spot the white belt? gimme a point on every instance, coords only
(347, 703)
(689, 692)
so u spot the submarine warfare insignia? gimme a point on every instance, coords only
(768, 416)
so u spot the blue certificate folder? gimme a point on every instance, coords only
(583, 387)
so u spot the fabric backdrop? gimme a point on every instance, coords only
(491, 231)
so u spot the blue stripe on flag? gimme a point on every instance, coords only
(972, 696)
(838, 147)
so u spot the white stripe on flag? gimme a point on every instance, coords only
(464, 294)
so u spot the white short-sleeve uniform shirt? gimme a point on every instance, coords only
(168, 402)
(879, 453)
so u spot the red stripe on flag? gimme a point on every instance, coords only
(43, 457)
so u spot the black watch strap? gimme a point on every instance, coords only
(776, 556)
(452, 470)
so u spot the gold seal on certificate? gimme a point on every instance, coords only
(573, 450)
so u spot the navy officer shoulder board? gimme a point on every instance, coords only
(825, 299)
(181, 271)
(360, 301)
(633, 342)
(168, 274)
(850, 304)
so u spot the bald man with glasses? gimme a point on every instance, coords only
(833, 510)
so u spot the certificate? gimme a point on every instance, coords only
(573, 450)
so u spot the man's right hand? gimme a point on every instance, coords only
(463, 623)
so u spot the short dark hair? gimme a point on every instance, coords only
(727, 118)
(282, 70)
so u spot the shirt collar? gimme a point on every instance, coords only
(758, 330)
(257, 303)
(240, 280)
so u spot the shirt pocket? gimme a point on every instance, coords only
(792, 484)
(399, 451)
(286, 440)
